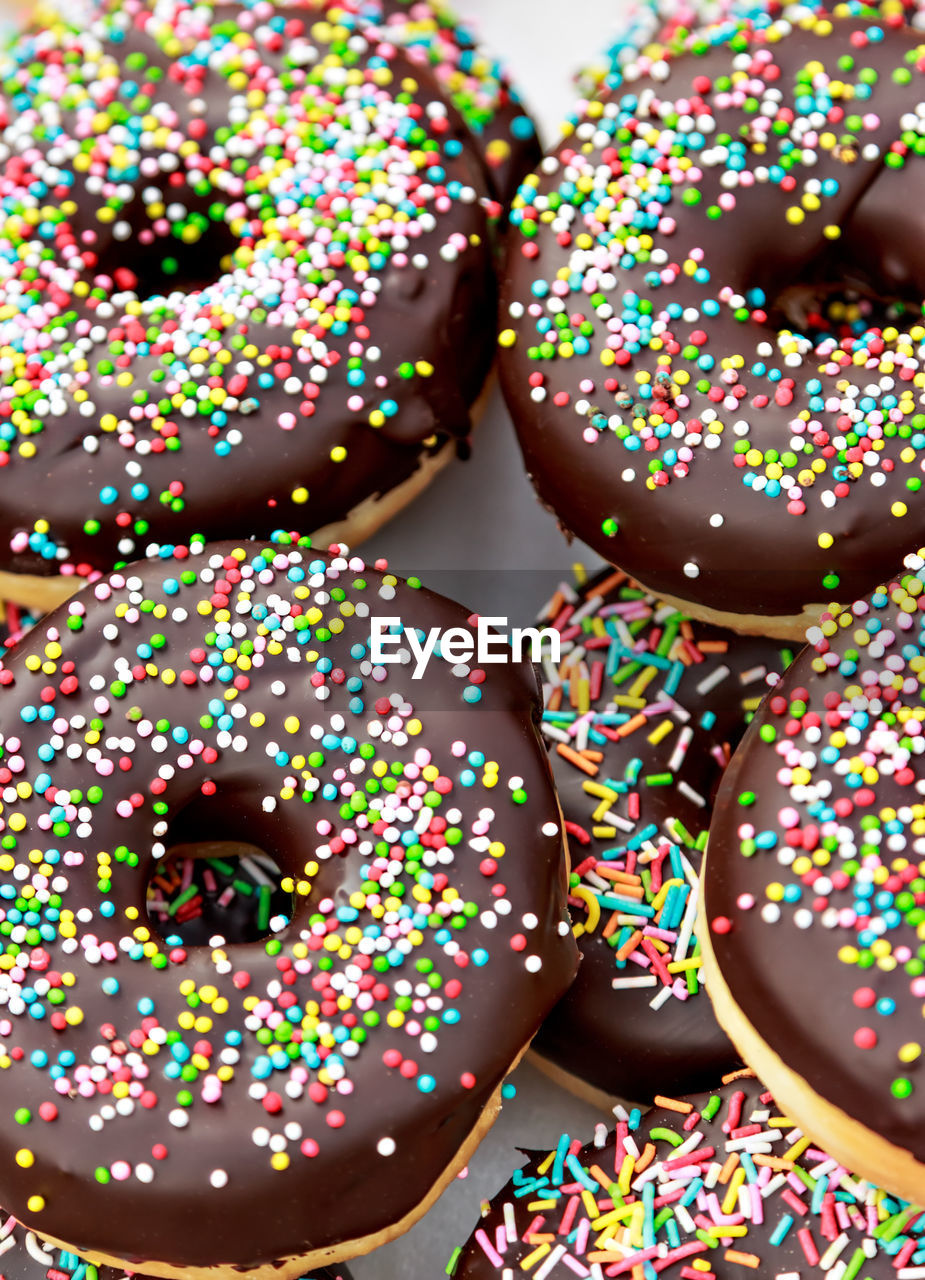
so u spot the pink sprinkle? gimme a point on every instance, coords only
(488, 1249)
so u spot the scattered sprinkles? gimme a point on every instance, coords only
(477, 85)
(192, 899)
(714, 1185)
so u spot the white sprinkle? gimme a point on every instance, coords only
(37, 1252)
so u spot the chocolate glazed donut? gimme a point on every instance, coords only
(641, 716)
(814, 888)
(694, 395)
(477, 85)
(283, 1103)
(246, 277)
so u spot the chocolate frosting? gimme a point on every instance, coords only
(656, 779)
(728, 1159)
(813, 887)
(248, 273)
(681, 406)
(239, 1103)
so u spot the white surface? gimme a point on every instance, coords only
(479, 534)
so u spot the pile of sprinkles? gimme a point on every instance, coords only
(641, 714)
(719, 1184)
(235, 247)
(816, 863)
(318, 1065)
(651, 352)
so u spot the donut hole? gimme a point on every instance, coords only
(221, 889)
(193, 255)
(824, 309)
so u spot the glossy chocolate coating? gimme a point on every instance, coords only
(782, 1225)
(731, 527)
(614, 1039)
(265, 1145)
(310, 371)
(813, 885)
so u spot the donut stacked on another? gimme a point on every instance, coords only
(276, 1105)
(641, 716)
(815, 887)
(720, 1184)
(712, 342)
(246, 275)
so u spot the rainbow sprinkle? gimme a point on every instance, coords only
(716, 1185)
(212, 655)
(630, 708)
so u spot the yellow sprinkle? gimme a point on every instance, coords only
(658, 733)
